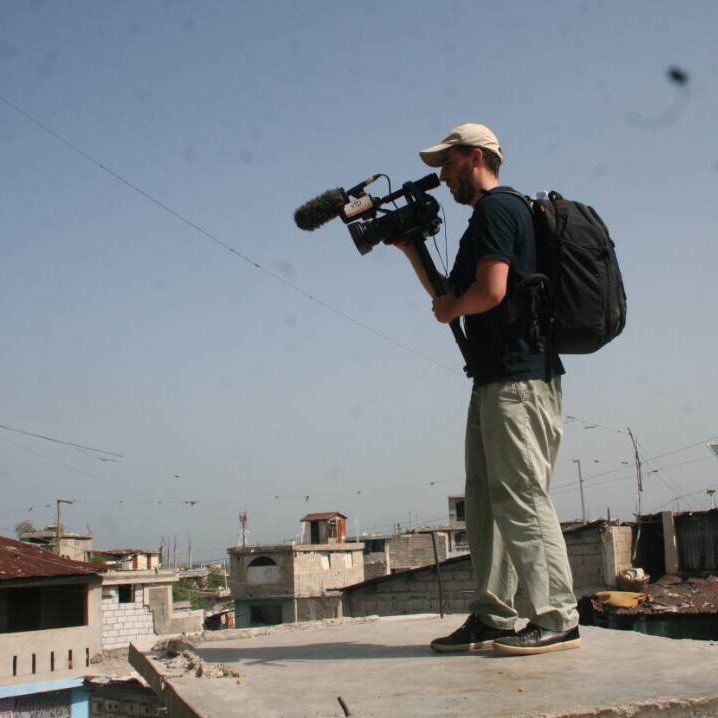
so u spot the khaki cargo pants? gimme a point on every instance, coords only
(513, 433)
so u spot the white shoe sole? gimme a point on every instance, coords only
(506, 650)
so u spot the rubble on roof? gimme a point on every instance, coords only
(178, 657)
(673, 594)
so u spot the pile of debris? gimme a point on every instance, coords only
(673, 594)
(667, 595)
(179, 658)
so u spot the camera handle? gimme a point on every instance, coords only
(437, 283)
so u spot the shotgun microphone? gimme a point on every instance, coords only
(318, 211)
(335, 203)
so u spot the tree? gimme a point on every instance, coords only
(24, 527)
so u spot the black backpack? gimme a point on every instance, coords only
(576, 299)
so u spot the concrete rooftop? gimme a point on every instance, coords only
(384, 668)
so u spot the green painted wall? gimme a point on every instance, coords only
(243, 610)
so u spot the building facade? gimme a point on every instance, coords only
(70, 544)
(137, 599)
(458, 538)
(389, 553)
(50, 631)
(295, 582)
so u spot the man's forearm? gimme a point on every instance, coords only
(476, 300)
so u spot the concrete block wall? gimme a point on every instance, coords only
(124, 622)
(317, 572)
(622, 538)
(595, 553)
(585, 554)
(412, 550)
(375, 567)
(414, 592)
(318, 609)
(165, 618)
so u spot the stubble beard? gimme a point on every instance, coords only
(465, 190)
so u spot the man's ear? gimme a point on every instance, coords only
(477, 156)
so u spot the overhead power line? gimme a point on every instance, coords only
(228, 247)
(571, 486)
(593, 424)
(649, 459)
(50, 459)
(60, 441)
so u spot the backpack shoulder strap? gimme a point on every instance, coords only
(512, 192)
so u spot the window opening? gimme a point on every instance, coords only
(262, 561)
(126, 593)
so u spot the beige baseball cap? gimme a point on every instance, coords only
(470, 134)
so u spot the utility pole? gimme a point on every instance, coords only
(584, 516)
(639, 470)
(174, 553)
(242, 538)
(189, 551)
(711, 492)
(58, 524)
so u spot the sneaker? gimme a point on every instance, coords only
(473, 635)
(534, 639)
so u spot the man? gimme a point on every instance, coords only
(514, 423)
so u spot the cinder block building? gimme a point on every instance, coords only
(287, 583)
(70, 544)
(129, 559)
(49, 631)
(388, 553)
(458, 539)
(597, 552)
(137, 602)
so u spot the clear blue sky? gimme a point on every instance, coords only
(128, 330)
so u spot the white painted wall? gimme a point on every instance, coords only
(124, 622)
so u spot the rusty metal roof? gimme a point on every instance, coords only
(125, 552)
(322, 517)
(23, 560)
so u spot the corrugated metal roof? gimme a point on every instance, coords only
(23, 560)
(322, 517)
(125, 551)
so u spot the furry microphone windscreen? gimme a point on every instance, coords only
(321, 209)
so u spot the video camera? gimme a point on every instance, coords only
(369, 221)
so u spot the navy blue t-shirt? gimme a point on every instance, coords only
(500, 227)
